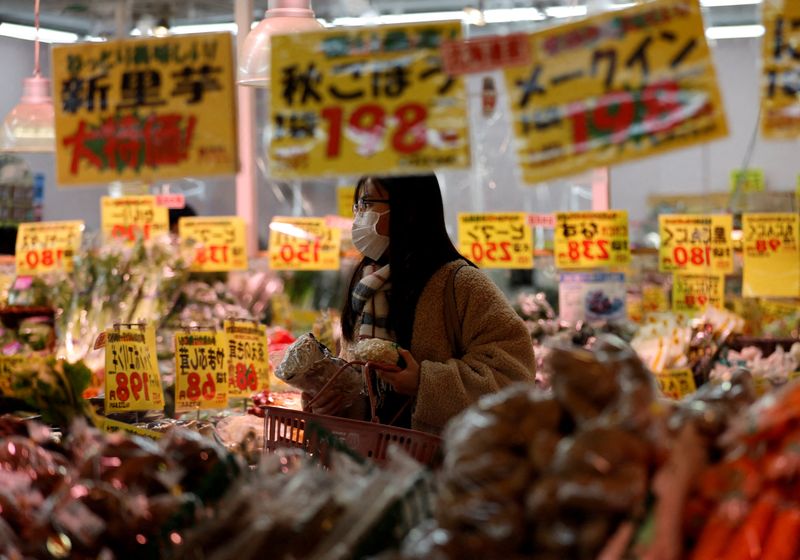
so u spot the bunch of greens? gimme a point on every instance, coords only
(54, 389)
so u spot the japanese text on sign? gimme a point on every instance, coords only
(692, 293)
(591, 239)
(132, 380)
(484, 54)
(129, 218)
(696, 243)
(501, 240)
(44, 247)
(144, 109)
(676, 383)
(303, 244)
(248, 358)
(201, 372)
(221, 243)
(369, 100)
(615, 87)
(780, 116)
(771, 255)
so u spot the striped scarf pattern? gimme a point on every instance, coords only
(371, 302)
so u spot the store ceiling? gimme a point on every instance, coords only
(97, 17)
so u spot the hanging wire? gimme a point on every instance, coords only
(735, 198)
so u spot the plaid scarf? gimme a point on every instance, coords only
(371, 302)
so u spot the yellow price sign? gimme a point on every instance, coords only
(780, 66)
(248, 358)
(129, 218)
(221, 243)
(591, 239)
(692, 293)
(654, 299)
(132, 380)
(696, 243)
(303, 244)
(145, 109)
(771, 255)
(44, 247)
(614, 87)
(676, 383)
(344, 201)
(748, 180)
(497, 240)
(201, 372)
(366, 100)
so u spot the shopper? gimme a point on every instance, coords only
(399, 292)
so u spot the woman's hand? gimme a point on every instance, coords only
(329, 404)
(405, 382)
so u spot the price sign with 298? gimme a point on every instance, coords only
(498, 240)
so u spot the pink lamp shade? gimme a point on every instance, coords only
(283, 16)
(29, 125)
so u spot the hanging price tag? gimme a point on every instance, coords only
(696, 243)
(248, 358)
(692, 293)
(221, 244)
(591, 239)
(676, 383)
(132, 380)
(771, 255)
(748, 180)
(344, 201)
(44, 247)
(303, 244)
(201, 372)
(499, 240)
(130, 217)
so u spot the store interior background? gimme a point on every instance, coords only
(493, 184)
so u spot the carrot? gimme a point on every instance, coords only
(714, 536)
(783, 542)
(748, 542)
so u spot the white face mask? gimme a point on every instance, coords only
(366, 237)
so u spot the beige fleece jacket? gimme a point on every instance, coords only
(498, 349)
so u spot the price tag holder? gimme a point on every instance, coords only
(696, 243)
(201, 372)
(44, 247)
(498, 240)
(132, 380)
(129, 218)
(303, 244)
(692, 293)
(591, 239)
(771, 255)
(112, 426)
(221, 243)
(676, 383)
(248, 358)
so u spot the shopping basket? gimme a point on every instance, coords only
(318, 434)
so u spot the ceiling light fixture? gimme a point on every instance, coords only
(724, 3)
(28, 33)
(735, 32)
(203, 28)
(29, 127)
(283, 16)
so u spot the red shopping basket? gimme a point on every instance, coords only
(318, 434)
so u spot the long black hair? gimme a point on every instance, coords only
(418, 247)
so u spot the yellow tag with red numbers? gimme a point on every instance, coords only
(303, 244)
(201, 371)
(248, 358)
(132, 380)
(221, 244)
(591, 239)
(496, 240)
(44, 247)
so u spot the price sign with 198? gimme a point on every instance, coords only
(132, 379)
(696, 243)
(303, 244)
(591, 239)
(498, 240)
(201, 375)
(248, 358)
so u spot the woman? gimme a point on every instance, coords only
(398, 293)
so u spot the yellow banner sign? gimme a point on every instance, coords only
(201, 373)
(129, 218)
(771, 255)
(221, 243)
(303, 244)
(144, 109)
(676, 383)
(748, 180)
(344, 201)
(248, 358)
(780, 105)
(696, 243)
(591, 239)
(692, 293)
(132, 380)
(44, 247)
(366, 100)
(615, 87)
(497, 240)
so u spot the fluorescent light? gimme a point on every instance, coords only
(565, 11)
(28, 33)
(735, 32)
(203, 28)
(388, 19)
(723, 3)
(512, 14)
